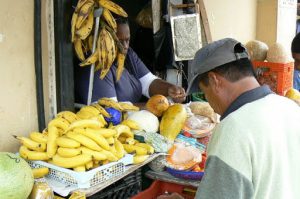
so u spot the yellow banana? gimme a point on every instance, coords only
(30, 144)
(114, 151)
(68, 152)
(91, 109)
(89, 165)
(111, 53)
(61, 132)
(38, 137)
(77, 195)
(119, 148)
(84, 12)
(85, 124)
(85, 141)
(80, 3)
(73, 24)
(67, 142)
(135, 149)
(71, 162)
(105, 52)
(101, 47)
(120, 47)
(85, 46)
(149, 148)
(32, 155)
(120, 64)
(98, 66)
(109, 103)
(51, 142)
(122, 139)
(80, 168)
(68, 115)
(96, 163)
(130, 141)
(123, 130)
(45, 132)
(90, 42)
(124, 115)
(113, 7)
(99, 118)
(91, 59)
(131, 124)
(111, 125)
(95, 154)
(84, 114)
(98, 138)
(86, 28)
(110, 141)
(110, 156)
(128, 107)
(40, 172)
(78, 49)
(106, 133)
(137, 159)
(109, 19)
(59, 123)
(101, 110)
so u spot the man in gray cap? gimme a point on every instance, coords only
(253, 151)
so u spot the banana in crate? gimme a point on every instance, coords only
(75, 141)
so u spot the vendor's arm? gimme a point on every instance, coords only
(151, 84)
(159, 86)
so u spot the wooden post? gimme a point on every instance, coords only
(204, 21)
(156, 12)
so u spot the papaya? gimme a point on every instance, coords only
(157, 104)
(172, 121)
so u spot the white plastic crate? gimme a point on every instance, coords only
(84, 179)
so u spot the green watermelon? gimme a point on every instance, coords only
(16, 179)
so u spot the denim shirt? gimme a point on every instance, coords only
(296, 82)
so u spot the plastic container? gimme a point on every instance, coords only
(124, 188)
(158, 188)
(189, 175)
(84, 179)
(198, 96)
(278, 76)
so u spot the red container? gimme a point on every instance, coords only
(276, 75)
(159, 188)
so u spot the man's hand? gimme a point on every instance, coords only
(177, 93)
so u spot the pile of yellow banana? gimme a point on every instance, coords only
(108, 47)
(84, 140)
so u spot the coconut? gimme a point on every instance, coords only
(278, 54)
(257, 50)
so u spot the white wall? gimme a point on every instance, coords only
(232, 18)
(276, 21)
(18, 114)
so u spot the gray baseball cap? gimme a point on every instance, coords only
(213, 55)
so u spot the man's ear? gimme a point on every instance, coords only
(214, 81)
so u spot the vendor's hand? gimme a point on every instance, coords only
(177, 93)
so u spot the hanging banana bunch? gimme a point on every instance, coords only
(108, 46)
